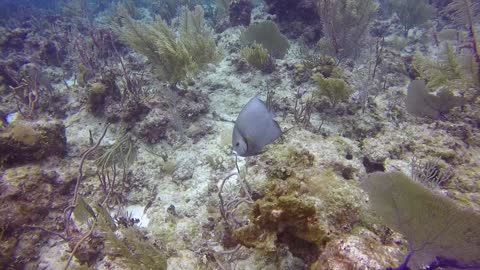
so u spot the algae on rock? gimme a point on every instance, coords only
(285, 215)
(24, 141)
(288, 219)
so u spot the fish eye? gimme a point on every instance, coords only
(237, 144)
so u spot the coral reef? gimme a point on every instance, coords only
(451, 71)
(410, 13)
(170, 115)
(116, 123)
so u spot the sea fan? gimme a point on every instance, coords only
(438, 230)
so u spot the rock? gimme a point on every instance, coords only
(240, 12)
(29, 196)
(184, 169)
(25, 195)
(154, 127)
(357, 252)
(373, 165)
(198, 130)
(170, 114)
(24, 141)
(52, 53)
(191, 105)
(133, 112)
(102, 94)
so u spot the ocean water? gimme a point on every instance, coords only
(239, 134)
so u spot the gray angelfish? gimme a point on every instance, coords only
(254, 129)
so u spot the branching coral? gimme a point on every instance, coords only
(198, 39)
(82, 9)
(335, 89)
(344, 23)
(450, 71)
(158, 43)
(127, 244)
(116, 158)
(174, 57)
(27, 92)
(256, 55)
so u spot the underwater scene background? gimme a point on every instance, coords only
(240, 134)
